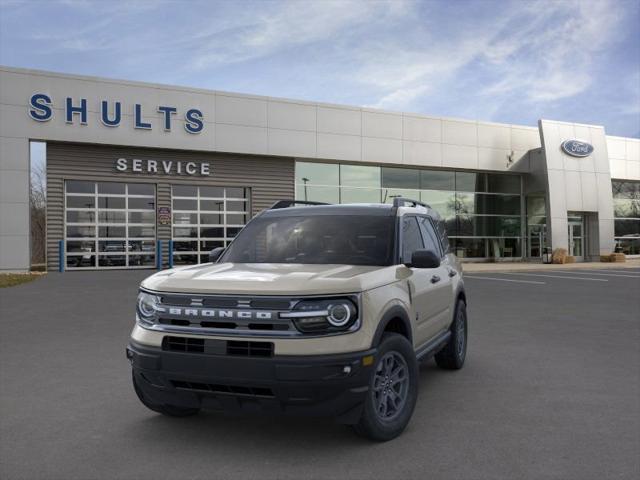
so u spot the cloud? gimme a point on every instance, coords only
(262, 32)
(541, 52)
(552, 57)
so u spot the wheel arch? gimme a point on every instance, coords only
(395, 319)
(461, 295)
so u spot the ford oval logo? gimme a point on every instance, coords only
(577, 148)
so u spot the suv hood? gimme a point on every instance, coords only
(270, 279)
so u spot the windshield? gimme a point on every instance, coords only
(318, 239)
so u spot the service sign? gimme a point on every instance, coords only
(577, 148)
(164, 167)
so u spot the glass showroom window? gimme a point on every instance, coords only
(205, 218)
(109, 225)
(482, 211)
(626, 210)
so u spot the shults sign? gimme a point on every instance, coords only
(41, 109)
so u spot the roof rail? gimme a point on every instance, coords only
(292, 203)
(408, 202)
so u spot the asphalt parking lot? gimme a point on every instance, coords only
(551, 389)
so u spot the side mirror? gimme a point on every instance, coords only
(214, 254)
(424, 259)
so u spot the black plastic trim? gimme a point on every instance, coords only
(433, 346)
(394, 312)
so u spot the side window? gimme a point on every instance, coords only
(411, 238)
(431, 241)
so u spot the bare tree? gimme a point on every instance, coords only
(37, 207)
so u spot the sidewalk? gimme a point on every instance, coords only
(525, 267)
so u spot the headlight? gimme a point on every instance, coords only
(146, 307)
(324, 316)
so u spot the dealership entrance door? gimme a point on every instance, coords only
(576, 235)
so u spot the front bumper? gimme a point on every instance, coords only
(315, 385)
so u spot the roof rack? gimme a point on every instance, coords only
(408, 202)
(292, 203)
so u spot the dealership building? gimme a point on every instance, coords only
(98, 173)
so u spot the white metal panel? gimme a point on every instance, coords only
(494, 136)
(633, 149)
(421, 129)
(557, 192)
(457, 156)
(633, 170)
(14, 153)
(14, 186)
(493, 159)
(383, 150)
(343, 121)
(14, 218)
(422, 154)
(291, 116)
(606, 233)
(523, 138)
(236, 138)
(381, 125)
(457, 132)
(14, 253)
(340, 147)
(605, 197)
(588, 189)
(241, 111)
(617, 148)
(618, 168)
(292, 142)
(573, 191)
(600, 154)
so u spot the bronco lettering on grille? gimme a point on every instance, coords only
(213, 313)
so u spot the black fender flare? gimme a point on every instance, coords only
(395, 311)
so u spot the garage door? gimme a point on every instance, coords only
(205, 218)
(109, 225)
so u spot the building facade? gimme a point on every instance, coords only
(98, 173)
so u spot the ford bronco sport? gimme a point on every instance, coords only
(316, 309)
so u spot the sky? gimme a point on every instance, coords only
(502, 61)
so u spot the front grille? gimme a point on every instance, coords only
(280, 326)
(217, 347)
(250, 349)
(228, 389)
(223, 315)
(183, 344)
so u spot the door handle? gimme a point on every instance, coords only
(435, 279)
(452, 272)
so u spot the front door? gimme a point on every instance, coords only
(576, 237)
(430, 288)
(537, 240)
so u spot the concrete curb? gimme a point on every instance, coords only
(534, 267)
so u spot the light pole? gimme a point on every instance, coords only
(305, 180)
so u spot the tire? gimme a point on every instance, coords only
(382, 419)
(168, 410)
(452, 356)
